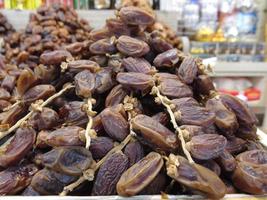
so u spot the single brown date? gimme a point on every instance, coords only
(207, 146)
(140, 175)
(139, 65)
(38, 92)
(188, 70)
(114, 124)
(153, 134)
(132, 47)
(137, 81)
(103, 46)
(18, 147)
(109, 174)
(68, 160)
(166, 59)
(136, 16)
(134, 151)
(15, 179)
(54, 57)
(195, 176)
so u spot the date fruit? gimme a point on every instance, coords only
(109, 174)
(140, 175)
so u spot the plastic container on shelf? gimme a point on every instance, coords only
(81, 4)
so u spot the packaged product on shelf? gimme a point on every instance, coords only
(81, 4)
(7, 4)
(102, 4)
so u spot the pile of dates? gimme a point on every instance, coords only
(137, 117)
(5, 27)
(50, 28)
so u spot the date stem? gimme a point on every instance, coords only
(89, 132)
(34, 106)
(166, 102)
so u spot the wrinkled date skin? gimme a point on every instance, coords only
(188, 70)
(203, 85)
(48, 182)
(132, 47)
(100, 146)
(192, 113)
(153, 134)
(137, 81)
(117, 27)
(213, 166)
(195, 176)
(114, 124)
(29, 191)
(54, 57)
(235, 145)
(161, 117)
(134, 151)
(84, 83)
(13, 115)
(241, 110)
(115, 96)
(250, 178)
(68, 160)
(207, 146)
(73, 114)
(109, 174)
(157, 185)
(103, 46)
(25, 80)
(227, 161)
(253, 157)
(166, 59)
(172, 87)
(44, 120)
(136, 16)
(15, 179)
(140, 175)
(38, 92)
(139, 65)
(100, 34)
(225, 119)
(76, 66)
(4, 94)
(18, 147)
(104, 80)
(65, 136)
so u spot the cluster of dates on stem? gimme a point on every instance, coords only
(137, 117)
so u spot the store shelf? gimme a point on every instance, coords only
(240, 69)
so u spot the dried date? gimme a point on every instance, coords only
(153, 134)
(139, 65)
(65, 136)
(46, 119)
(13, 151)
(55, 57)
(48, 182)
(140, 175)
(85, 83)
(188, 70)
(134, 151)
(15, 179)
(207, 146)
(114, 124)
(136, 16)
(103, 46)
(68, 160)
(132, 47)
(195, 177)
(100, 146)
(115, 96)
(38, 92)
(167, 59)
(109, 174)
(136, 81)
